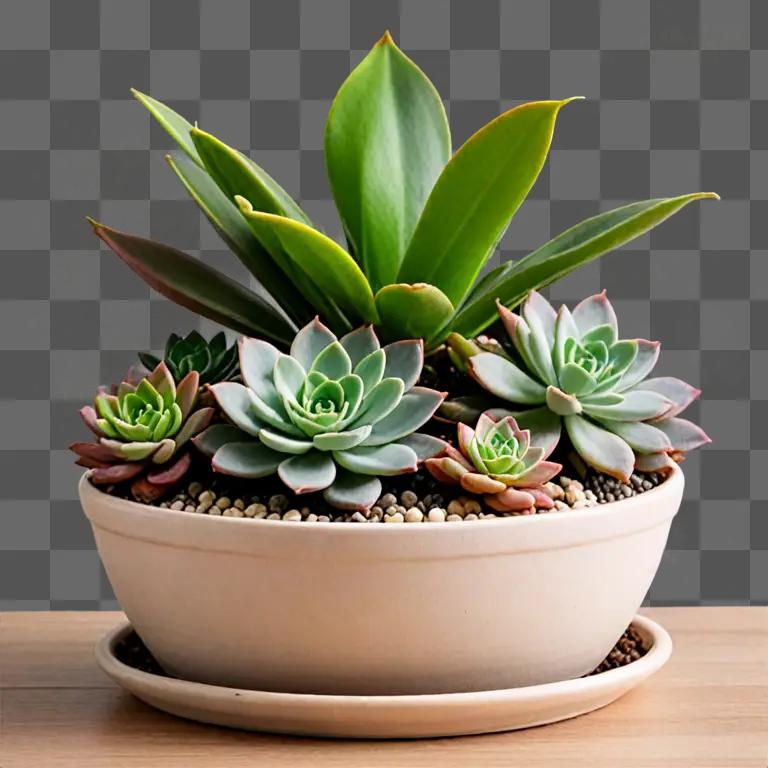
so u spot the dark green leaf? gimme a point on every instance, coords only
(227, 220)
(198, 287)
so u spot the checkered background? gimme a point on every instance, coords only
(677, 100)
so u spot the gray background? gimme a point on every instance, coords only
(677, 101)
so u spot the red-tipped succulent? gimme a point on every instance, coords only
(505, 464)
(141, 429)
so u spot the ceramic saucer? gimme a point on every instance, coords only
(386, 717)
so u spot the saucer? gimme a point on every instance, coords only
(386, 717)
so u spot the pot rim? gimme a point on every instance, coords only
(624, 507)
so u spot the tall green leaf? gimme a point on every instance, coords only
(332, 270)
(176, 126)
(475, 197)
(569, 250)
(386, 141)
(198, 287)
(227, 220)
(237, 174)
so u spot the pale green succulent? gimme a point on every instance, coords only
(573, 369)
(332, 415)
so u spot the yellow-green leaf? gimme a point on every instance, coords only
(386, 141)
(226, 219)
(175, 125)
(475, 197)
(332, 270)
(237, 174)
(412, 311)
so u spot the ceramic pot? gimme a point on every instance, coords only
(349, 608)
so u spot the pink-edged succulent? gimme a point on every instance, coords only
(141, 427)
(571, 368)
(505, 464)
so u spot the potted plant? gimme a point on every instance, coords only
(481, 496)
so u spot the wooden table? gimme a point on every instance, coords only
(708, 707)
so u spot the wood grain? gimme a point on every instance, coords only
(707, 708)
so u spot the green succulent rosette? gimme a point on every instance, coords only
(332, 416)
(213, 360)
(571, 369)
(500, 461)
(141, 429)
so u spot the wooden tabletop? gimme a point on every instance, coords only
(708, 708)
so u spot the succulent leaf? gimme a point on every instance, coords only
(308, 473)
(250, 460)
(392, 459)
(503, 379)
(600, 448)
(352, 491)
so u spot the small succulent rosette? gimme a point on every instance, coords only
(572, 369)
(141, 429)
(331, 416)
(500, 461)
(213, 360)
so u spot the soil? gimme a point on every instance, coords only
(132, 652)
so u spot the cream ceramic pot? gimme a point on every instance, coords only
(348, 608)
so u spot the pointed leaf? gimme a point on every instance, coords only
(311, 472)
(177, 127)
(341, 441)
(683, 434)
(282, 443)
(641, 437)
(569, 250)
(386, 142)
(405, 359)
(227, 220)
(237, 174)
(424, 446)
(209, 441)
(237, 403)
(414, 409)
(412, 311)
(475, 197)
(353, 491)
(332, 269)
(601, 449)
(505, 380)
(198, 287)
(678, 391)
(393, 459)
(360, 343)
(637, 405)
(248, 460)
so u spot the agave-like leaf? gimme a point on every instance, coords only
(332, 269)
(569, 250)
(386, 141)
(227, 220)
(198, 287)
(476, 195)
(177, 127)
(683, 434)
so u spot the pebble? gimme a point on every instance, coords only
(414, 515)
(407, 506)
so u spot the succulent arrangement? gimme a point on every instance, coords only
(573, 368)
(325, 391)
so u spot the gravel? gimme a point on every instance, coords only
(424, 502)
